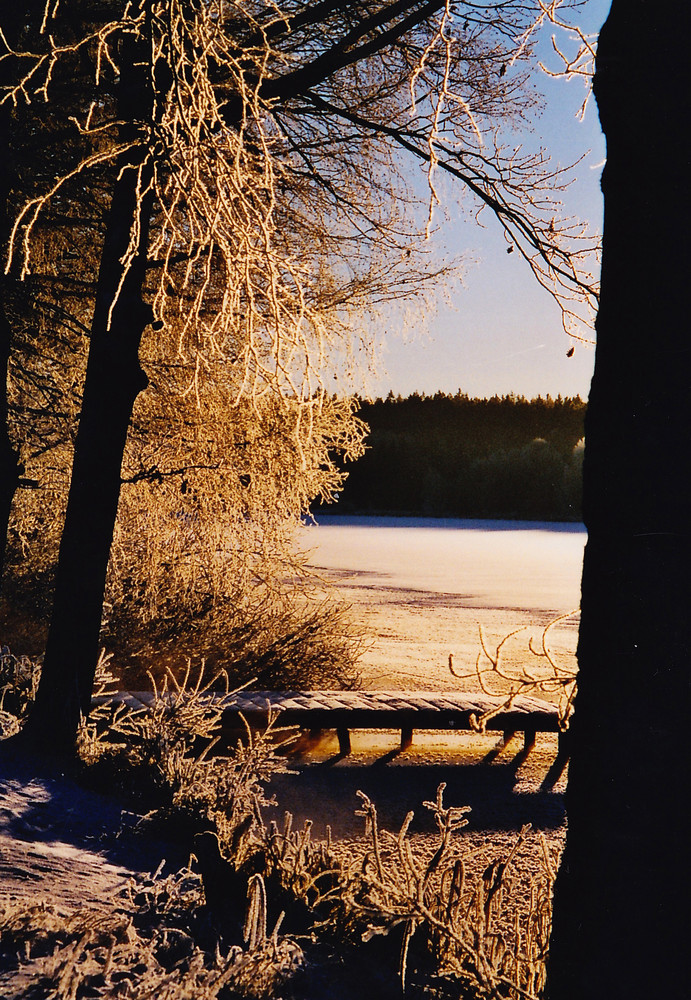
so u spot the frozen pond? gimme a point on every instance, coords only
(423, 586)
(491, 564)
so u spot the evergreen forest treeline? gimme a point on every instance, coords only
(454, 456)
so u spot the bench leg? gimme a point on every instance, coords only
(528, 740)
(406, 737)
(343, 740)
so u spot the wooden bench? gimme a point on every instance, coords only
(404, 710)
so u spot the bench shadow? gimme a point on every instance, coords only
(386, 758)
(382, 761)
(335, 758)
(503, 742)
(555, 771)
(328, 796)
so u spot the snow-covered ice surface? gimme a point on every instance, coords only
(499, 564)
(423, 586)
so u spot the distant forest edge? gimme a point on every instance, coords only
(453, 456)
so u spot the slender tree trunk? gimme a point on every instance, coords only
(113, 380)
(621, 901)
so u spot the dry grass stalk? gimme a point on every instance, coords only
(550, 677)
(160, 941)
(454, 924)
(152, 944)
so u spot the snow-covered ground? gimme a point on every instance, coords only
(423, 586)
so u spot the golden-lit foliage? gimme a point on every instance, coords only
(274, 137)
(274, 140)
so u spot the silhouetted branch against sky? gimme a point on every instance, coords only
(280, 137)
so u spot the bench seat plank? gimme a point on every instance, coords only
(387, 709)
(402, 710)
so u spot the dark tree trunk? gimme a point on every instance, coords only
(620, 915)
(113, 380)
(10, 467)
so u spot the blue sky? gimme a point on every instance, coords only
(504, 332)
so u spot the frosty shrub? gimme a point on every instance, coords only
(266, 908)
(154, 942)
(19, 677)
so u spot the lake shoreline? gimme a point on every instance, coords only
(382, 519)
(421, 589)
(333, 511)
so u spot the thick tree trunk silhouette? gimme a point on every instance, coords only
(623, 888)
(113, 380)
(10, 467)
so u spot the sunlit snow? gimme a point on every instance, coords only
(491, 564)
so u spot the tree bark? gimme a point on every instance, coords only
(10, 465)
(623, 888)
(113, 380)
